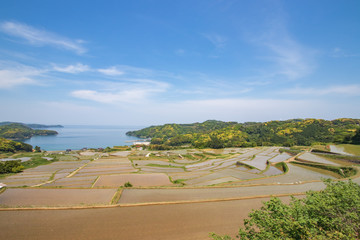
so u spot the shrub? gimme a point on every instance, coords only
(333, 213)
(128, 184)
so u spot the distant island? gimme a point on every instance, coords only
(218, 134)
(21, 131)
(33, 125)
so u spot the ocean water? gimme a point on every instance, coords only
(76, 137)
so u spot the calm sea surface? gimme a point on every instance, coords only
(77, 137)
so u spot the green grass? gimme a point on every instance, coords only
(342, 171)
(53, 175)
(282, 166)
(292, 152)
(241, 164)
(117, 196)
(128, 184)
(351, 148)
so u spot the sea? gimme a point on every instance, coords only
(76, 137)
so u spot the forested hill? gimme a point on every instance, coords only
(33, 125)
(20, 131)
(218, 134)
(7, 145)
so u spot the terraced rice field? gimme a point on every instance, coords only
(162, 222)
(316, 159)
(175, 195)
(55, 197)
(144, 180)
(214, 190)
(183, 175)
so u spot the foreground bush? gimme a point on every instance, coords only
(333, 213)
(13, 166)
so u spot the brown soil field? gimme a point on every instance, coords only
(153, 179)
(55, 197)
(162, 222)
(173, 195)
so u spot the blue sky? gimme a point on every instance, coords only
(154, 61)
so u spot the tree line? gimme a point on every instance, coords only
(218, 134)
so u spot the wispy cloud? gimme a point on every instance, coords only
(134, 91)
(12, 75)
(343, 90)
(236, 109)
(41, 37)
(77, 68)
(111, 71)
(287, 58)
(292, 60)
(216, 39)
(180, 52)
(341, 53)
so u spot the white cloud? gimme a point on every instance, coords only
(180, 52)
(216, 39)
(111, 71)
(288, 58)
(346, 90)
(77, 68)
(293, 60)
(134, 91)
(40, 37)
(12, 75)
(238, 109)
(341, 53)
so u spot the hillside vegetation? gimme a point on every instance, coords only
(33, 125)
(218, 134)
(12, 146)
(20, 131)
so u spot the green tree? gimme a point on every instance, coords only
(333, 213)
(356, 138)
(12, 166)
(37, 149)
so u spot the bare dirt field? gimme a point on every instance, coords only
(162, 222)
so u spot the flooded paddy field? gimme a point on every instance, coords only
(197, 194)
(145, 180)
(44, 173)
(316, 159)
(160, 176)
(202, 191)
(20, 197)
(163, 222)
